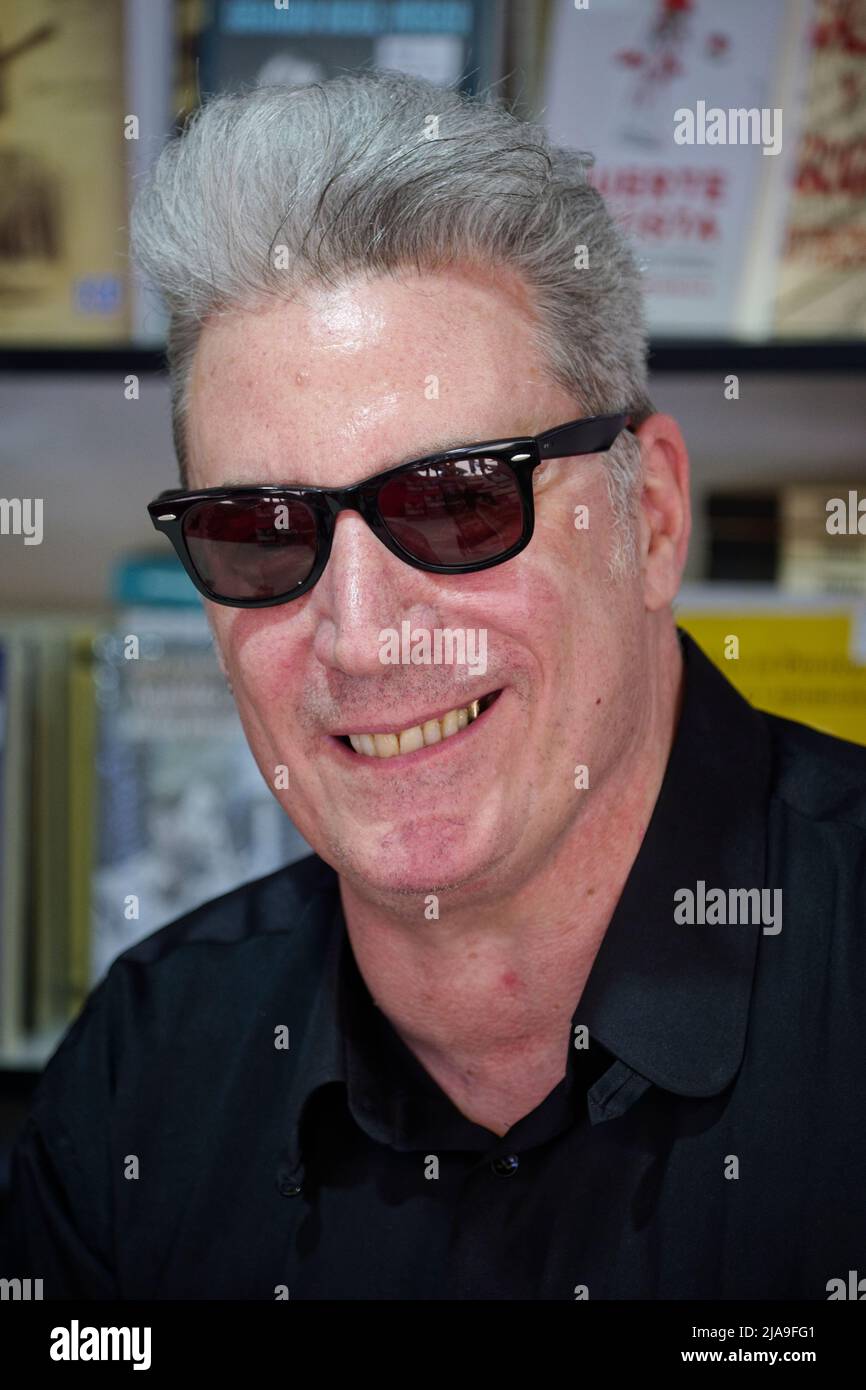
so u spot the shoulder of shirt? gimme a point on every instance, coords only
(279, 903)
(817, 775)
(275, 920)
(265, 937)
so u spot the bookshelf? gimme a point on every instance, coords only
(666, 355)
(708, 355)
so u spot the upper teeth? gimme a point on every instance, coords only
(387, 745)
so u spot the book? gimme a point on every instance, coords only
(46, 786)
(823, 538)
(81, 818)
(15, 839)
(183, 813)
(153, 579)
(258, 43)
(822, 280)
(805, 537)
(48, 937)
(63, 196)
(128, 794)
(706, 214)
(149, 39)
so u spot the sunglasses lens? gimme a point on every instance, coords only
(454, 511)
(251, 548)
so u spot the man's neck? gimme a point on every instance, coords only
(484, 996)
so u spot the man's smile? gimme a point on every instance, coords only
(419, 737)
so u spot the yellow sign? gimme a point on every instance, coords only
(798, 665)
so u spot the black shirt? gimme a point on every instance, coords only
(709, 1143)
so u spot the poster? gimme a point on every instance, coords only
(63, 215)
(706, 214)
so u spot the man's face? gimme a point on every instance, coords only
(340, 386)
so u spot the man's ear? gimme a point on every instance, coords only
(665, 509)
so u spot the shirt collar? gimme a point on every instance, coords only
(669, 1001)
(672, 1000)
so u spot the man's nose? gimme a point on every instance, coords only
(363, 591)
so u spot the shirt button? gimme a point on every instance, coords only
(505, 1167)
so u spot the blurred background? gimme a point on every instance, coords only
(127, 793)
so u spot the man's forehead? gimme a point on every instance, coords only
(439, 445)
(264, 405)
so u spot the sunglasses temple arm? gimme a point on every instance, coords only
(585, 437)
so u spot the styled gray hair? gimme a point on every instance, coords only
(374, 172)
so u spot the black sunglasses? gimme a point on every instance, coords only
(450, 513)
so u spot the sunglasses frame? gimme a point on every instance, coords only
(591, 435)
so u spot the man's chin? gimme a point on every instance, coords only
(415, 862)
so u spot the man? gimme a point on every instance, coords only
(477, 1046)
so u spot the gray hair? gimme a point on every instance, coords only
(373, 172)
